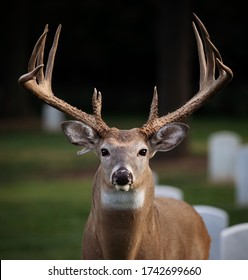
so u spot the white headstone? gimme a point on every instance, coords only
(234, 242)
(222, 150)
(216, 220)
(51, 118)
(241, 176)
(168, 191)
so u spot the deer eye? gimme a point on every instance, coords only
(142, 152)
(105, 152)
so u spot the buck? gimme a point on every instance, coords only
(126, 221)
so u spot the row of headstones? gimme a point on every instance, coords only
(227, 242)
(228, 161)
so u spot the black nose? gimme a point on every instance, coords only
(122, 177)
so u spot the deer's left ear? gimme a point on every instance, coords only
(168, 137)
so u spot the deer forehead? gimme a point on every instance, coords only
(124, 139)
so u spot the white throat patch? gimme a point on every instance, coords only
(123, 200)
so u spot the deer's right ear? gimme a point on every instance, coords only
(80, 134)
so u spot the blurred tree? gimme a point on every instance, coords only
(174, 60)
(174, 47)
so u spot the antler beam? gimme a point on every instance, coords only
(209, 58)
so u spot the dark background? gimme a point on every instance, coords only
(123, 48)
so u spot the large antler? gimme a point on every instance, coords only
(40, 84)
(209, 57)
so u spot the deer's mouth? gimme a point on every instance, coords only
(124, 188)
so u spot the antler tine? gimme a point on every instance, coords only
(203, 62)
(41, 85)
(32, 70)
(154, 106)
(35, 54)
(97, 108)
(209, 57)
(97, 103)
(40, 56)
(51, 57)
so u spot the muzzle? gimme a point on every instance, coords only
(122, 177)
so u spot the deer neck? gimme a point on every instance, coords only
(122, 217)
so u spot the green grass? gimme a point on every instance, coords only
(201, 128)
(45, 188)
(43, 219)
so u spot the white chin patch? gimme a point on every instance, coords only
(125, 188)
(123, 199)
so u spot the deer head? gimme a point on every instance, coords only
(125, 154)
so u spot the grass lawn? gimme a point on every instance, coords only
(45, 188)
(43, 219)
